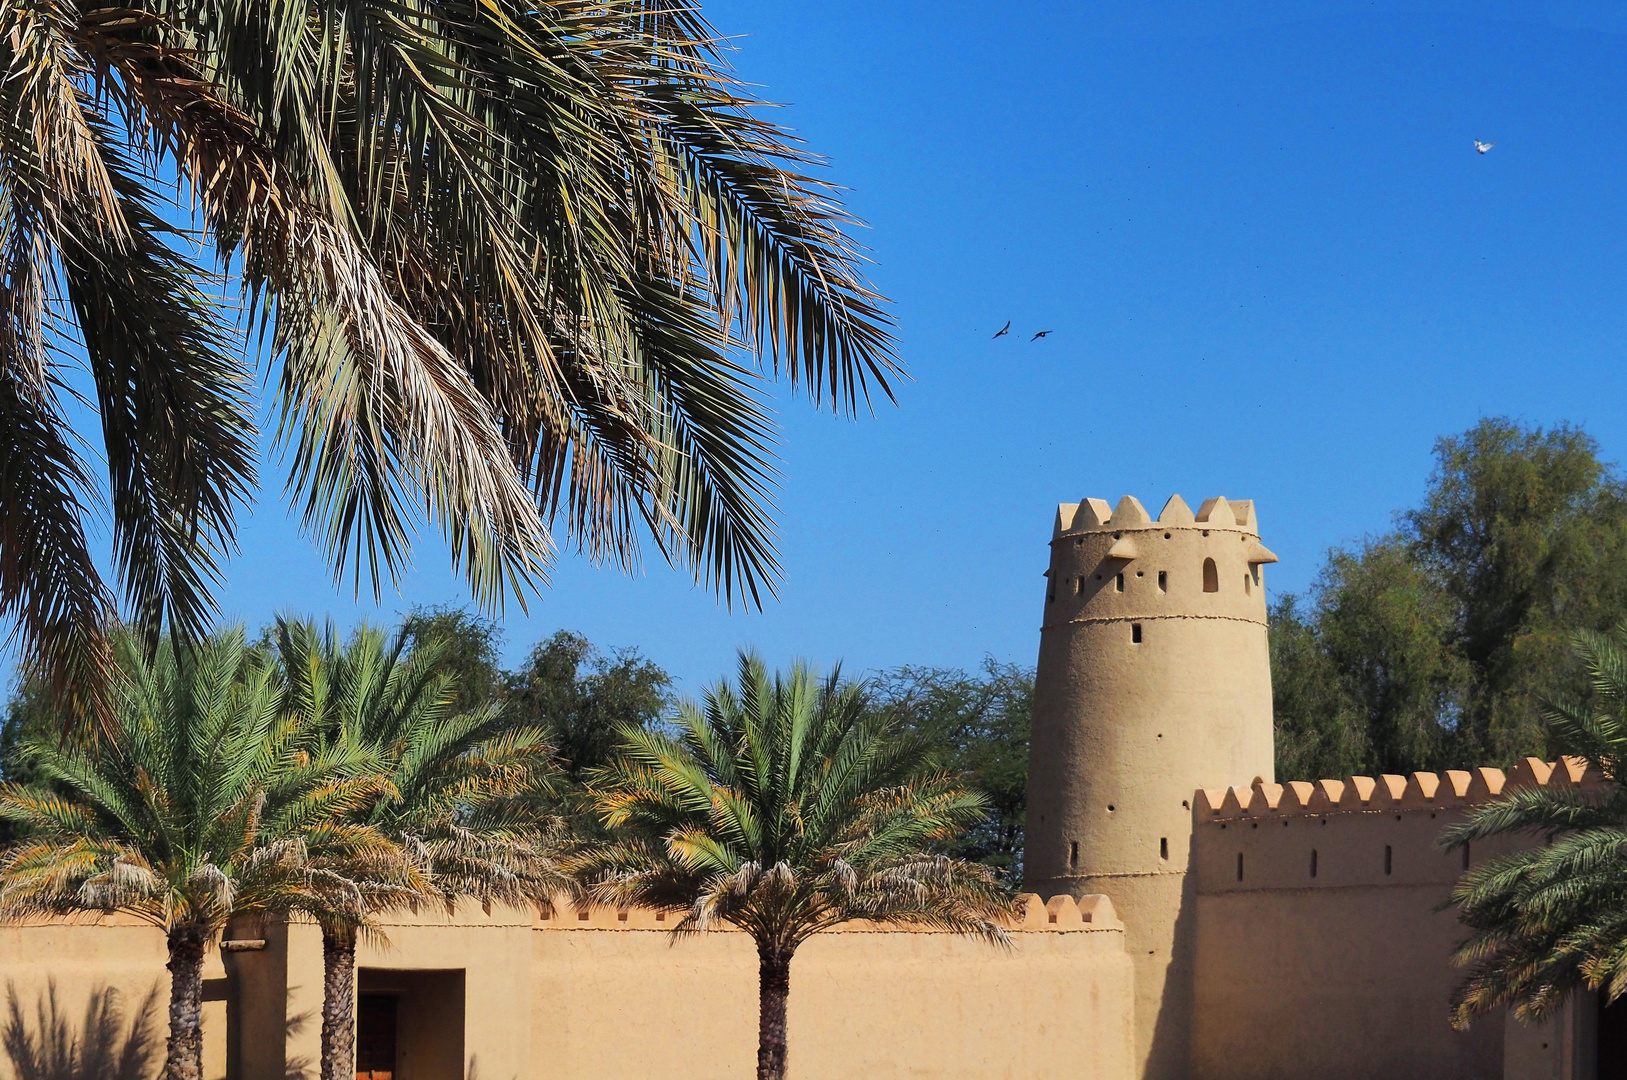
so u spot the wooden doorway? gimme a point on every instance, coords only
(375, 1036)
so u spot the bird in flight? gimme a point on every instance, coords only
(1004, 329)
(1482, 147)
(1039, 335)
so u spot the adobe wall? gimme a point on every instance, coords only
(1319, 949)
(94, 981)
(607, 995)
(877, 1004)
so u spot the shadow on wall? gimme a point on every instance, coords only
(44, 1043)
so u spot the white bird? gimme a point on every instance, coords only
(1482, 147)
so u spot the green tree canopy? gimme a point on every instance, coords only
(1433, 646)
(976, 726)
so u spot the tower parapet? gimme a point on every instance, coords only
(1153, 679)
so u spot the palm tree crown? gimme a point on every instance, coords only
(1552, 917)
(506, 255)
(784, 808)
(468, 796)
(200, 800)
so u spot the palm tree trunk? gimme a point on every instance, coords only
(184, 1057)
(773, 991)
(339, 1004)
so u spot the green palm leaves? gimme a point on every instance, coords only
(508, 256)
(1553, 917)
(786, 806)
(202, 800)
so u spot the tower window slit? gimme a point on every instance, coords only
(1211, 576)
(1239, 866)
(1247, 585)
(1388, 858)
(1465, 856)
(1163, 847)
(1313, 862)
(1163, 581)
(1078, 585)
(1118, 583)
(1135, 633)
(1073, 855)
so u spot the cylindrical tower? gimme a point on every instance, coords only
(1153, 681)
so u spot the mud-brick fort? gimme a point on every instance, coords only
(1194, 918)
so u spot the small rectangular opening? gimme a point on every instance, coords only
(1313, 862)
(1163, 581)
(1465, 856)
(1387, 858)
(1163, 847)
(1135, 633)
(1073, 855)
(1118, 583)
(1239, 866)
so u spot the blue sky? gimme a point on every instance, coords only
(1273, 265)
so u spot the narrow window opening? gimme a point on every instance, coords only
(1465, 856)
(1078, 586)
(1118, 583)
(1163, 847)
(1239, 866)
(1135, 633)
(1313, 862)
(1073, 855)
(1248, 586)
(1388, 861)
(1163, 581)
(1211, 576)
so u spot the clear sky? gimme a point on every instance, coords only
(1272, 263)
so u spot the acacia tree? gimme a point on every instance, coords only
(1552, 917)
(466, 794)
(200, 800)
(503, 255)
(785, 806)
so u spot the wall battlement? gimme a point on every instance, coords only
(1059, 914)
(1421, 790)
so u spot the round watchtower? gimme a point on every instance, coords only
(1153, 680)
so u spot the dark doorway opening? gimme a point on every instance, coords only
(375, 1036)
(1613, 1040)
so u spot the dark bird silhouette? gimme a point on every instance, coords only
(1002, 331)
(1039, 335)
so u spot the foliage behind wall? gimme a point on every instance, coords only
(1434, 645)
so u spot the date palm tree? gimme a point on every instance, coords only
(1552, 917)
(469, 795)
(784, 807)
(200, 799)
(513, 262)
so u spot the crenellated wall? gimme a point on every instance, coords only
(866, 1002)
(1320, 947)
(612, 995)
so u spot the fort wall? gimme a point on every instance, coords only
(612, 995)
(881, 1004)
(1320, 949)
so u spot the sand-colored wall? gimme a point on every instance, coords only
(100, 985)
(1124, 728)
(507, 996)
(863, 1003)
(1344, 971)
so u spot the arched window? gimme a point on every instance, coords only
(1211, 576)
